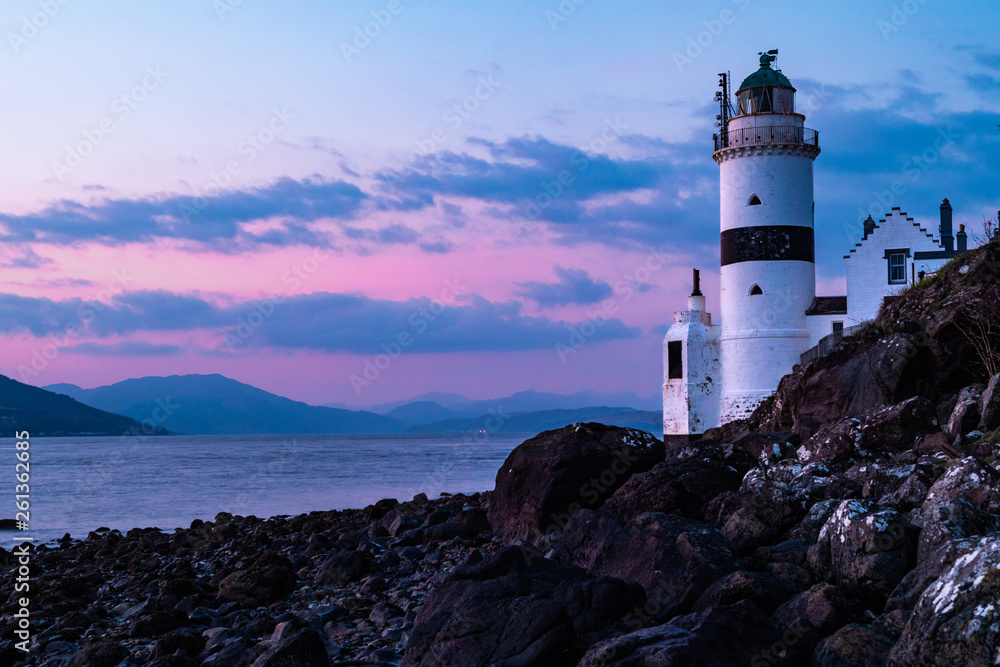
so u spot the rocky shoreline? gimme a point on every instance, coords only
(852, 520)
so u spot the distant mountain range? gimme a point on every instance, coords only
(43, 413)
(216, 405)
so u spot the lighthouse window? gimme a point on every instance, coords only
(675, 363)
(756, 291)
(761, 100)
(897, 268)
(754, 201)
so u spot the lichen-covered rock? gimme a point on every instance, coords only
(674, 559)
(865, 551)
(957, 619)
(965, 479)
(951, 520)
(550, 477)
(910, 492)
(836, 442)
(930, 569)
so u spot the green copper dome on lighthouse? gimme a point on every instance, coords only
(765, 76)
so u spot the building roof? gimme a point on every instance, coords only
(828, 305)
(765, 76)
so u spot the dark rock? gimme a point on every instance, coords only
(449, 530)
(156, 623)
(835, 442)
(965, 416)
(548, 478)
(989, 406)
(185, 639)
(854, 645)
(738, 634)
(895, 428)
(514, 608)
(674, 559)
(341, 567)
(676, 486)
(849, 383)
(306, 648)
(766, 591)
(814, 614)
(930, 569)
(955, 621)
(269, 577)
(101, 653)
(866, 552)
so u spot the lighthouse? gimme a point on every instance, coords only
(768, 279)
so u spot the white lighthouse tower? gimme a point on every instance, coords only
(768, 278)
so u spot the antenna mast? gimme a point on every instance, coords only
(725, 109)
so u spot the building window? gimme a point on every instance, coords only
(756, 291)
(897, 268)
(838, 330)
(754, 201)
(675, 360)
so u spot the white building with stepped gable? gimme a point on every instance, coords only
(716, 372)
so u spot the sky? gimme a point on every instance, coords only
(358, 202)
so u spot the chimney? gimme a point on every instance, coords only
(697, 283)
(962, 238)
(869, 227)
(696, 301)
(946, 238)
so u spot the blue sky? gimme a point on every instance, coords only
(220, 155)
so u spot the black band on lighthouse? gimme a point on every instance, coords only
(768, 244)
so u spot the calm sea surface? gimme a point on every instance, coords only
(80, 484)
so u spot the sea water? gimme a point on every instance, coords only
(80, 484)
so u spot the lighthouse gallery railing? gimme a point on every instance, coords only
(756, 136)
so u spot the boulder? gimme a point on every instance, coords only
(854, 645)
(865, 551)
(965, 479)
(836, 442)
(950, 520)
(814, 614)
(989, 406)
(738, 634)
(895, 428)
(514, 608)
(306, 648)
(957, 618)
(931, 568)
(864, 374)
(341, 567)
(674, 559)
(676, 486)
(267, 578)
(100, 653)
(765, 590)
(965, 416)
(548, 478)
